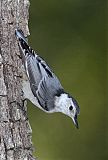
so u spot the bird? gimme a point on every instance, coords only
(42, 87)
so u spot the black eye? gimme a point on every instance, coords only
(70, 108)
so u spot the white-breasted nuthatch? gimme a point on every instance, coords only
(42, 87)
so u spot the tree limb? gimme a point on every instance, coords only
(15, 130)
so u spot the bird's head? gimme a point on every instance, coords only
(69, 106)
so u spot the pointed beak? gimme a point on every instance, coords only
(75, 121)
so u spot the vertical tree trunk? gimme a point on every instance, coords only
(15, 131)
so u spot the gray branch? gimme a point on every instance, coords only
(15, 130)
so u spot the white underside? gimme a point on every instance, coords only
(28, 93)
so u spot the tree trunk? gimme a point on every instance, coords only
(15, 131)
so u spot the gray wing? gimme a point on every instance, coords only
(49, 87)
(44, 84)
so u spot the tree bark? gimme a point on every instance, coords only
(15, 130)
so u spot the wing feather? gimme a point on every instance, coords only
(47, 90)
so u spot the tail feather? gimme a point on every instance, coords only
(20, 35)
(23, 44)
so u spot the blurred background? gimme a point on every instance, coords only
(70, 36)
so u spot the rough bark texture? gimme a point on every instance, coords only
(15, 131)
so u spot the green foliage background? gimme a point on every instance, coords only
(70, 36)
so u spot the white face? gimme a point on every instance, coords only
(68, 106)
